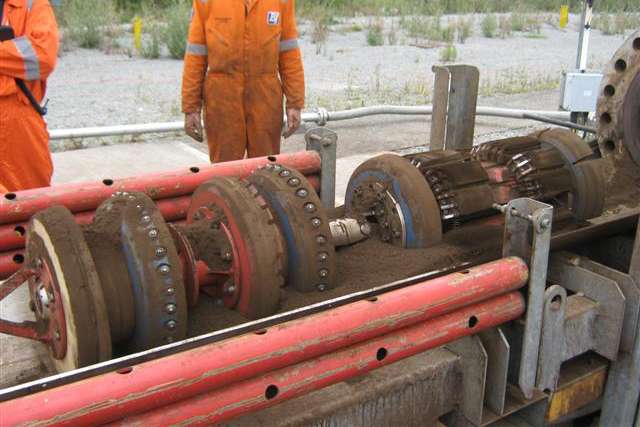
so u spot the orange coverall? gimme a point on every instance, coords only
(241, 58)
(25, 161)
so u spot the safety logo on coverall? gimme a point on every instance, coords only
(273, 18)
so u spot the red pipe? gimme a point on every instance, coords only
(12, 236)
(10, 262)
(157, 383)
(19, 207)
(270, 389)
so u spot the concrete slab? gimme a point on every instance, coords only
(124, 160)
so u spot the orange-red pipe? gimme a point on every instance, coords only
(158, 383)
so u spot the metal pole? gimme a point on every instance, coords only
(325, 142)
(585, 31)
(276, 387)
(114, 395)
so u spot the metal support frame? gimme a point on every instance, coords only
(454, 107)
(585, 31)
(528, 236)
(324, 141)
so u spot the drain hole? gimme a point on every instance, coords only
(272, 158)
(636, 44)
(609, 90)
(194, 169)
(556, 301)
(473, 321)
(261, 332)
(125, 371)
(465, 272)
(372, 299)
(621, 65)
(10, 196)
(18, 258)
(271, 392)
(108, 182)
(606, 118)
(381, 354)
(20, 230)
(609, 145)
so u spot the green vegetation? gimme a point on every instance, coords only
(175, 35)
(489, 26)
(87, 21)
(375, 36)
(448, 53)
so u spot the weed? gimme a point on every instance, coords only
(87, 21)
(375, 35)
(464, 29)
(489, 26)
(175, 33)
(518, 21)
(392, 37)
(505, 27)
(448, 53)
(319, 29)
(152, 45)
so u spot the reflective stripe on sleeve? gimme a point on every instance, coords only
(29, 57)
(29, 4)
(287, 45)
(197, 49)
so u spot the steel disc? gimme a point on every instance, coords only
(304, 225)
(587, 198)
(392, 190)
(67, 290)
(619, 103)
(159, 295)
(257, 260)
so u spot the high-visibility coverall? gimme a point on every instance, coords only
(241, 57)
(25, 161)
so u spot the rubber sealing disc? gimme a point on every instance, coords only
(586, 201)
(392, 190)
(55, 242)
(259, 263)
(304, 225)
(159, 295)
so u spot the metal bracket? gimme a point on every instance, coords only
(324, 141)
(498, 349)
(454, 107)
(528, 236)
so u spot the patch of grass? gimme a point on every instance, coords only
(375, 36)
(319, 31)
(504, 27)
(517, 80)
(448, 53)
(87, 21)
(464, 29)
(392, 36)
(175, 33)
(489, 26)
(152, 45)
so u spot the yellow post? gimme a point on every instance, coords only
(564, 15)
(137, 33)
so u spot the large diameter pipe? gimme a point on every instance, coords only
(19, 207)
(270, 389)
(319, 117)
(167, 380)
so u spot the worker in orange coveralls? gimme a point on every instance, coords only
(241, 57)
(26, 60)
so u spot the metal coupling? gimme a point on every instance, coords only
(347, 231)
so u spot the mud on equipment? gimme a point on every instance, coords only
(304, 225)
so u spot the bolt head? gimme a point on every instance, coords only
(545, 223)
(302, 193)
(285, 173)
(171, 291)
(170, 308)
(164, 269)
(146, 219)
(227, 256)
(321, 240)
(316, 222)
(171, 324)
(277, 168)
(294, 182)
(231, 289)
(324, 273)
(139, 206)
(323, 256)
(322, 287)
(310, 207)
(161, 251)
(153, 233)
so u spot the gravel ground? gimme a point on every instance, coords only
(90, 88)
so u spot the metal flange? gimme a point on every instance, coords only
(256, 259)
(619, 103)
(65, 291)
(304, 225)
(389, 190)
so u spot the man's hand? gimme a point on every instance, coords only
(193, 126)
(294, 119)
